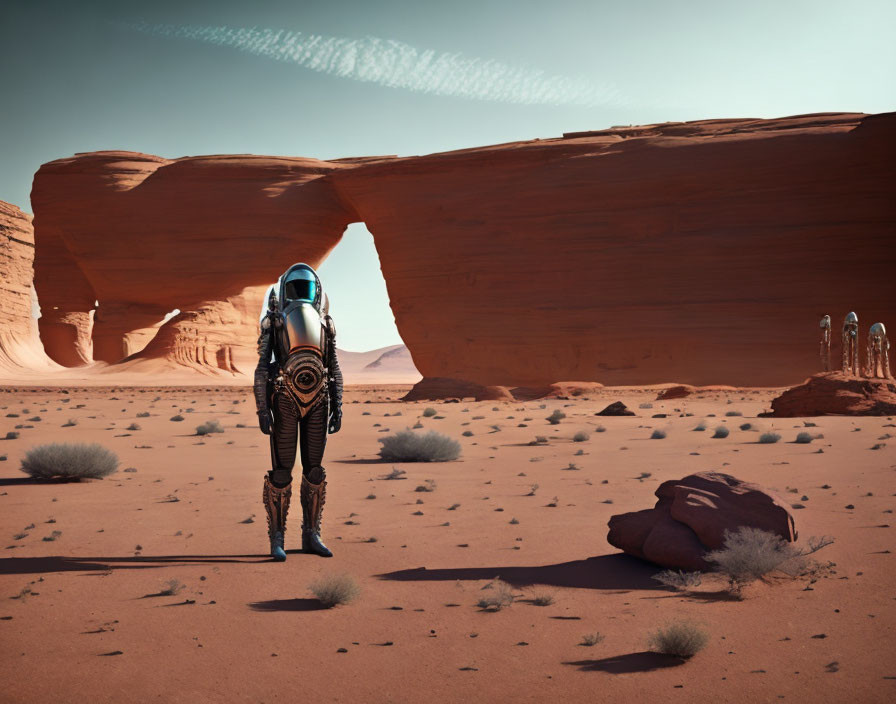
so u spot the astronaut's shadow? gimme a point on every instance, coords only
(614, 571)
(59, 563)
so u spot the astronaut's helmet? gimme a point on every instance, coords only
(851, 319)
(825, 322)
(300, 284)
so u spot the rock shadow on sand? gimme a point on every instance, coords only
(287, 605)
(58, 563)
(645, 661)
(617, 571)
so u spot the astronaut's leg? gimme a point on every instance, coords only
(278, 482)
(885, 359)
(312, 441)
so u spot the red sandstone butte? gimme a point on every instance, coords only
(699, 252)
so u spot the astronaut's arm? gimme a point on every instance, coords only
(262, 371)
(334, 378)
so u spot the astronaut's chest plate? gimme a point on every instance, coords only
(304, 376)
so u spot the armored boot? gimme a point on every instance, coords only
(312, 497)
(276, 504)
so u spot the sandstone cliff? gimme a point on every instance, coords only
(701, 252)
(19, 343)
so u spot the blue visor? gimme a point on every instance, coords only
(299, 290)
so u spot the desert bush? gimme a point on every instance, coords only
(679, 580)
(769, 438)
(721, 432)
(580, 436)
(143, 414)
(177, 418)
(590, 639)
(396, 474)
(429, 412)
(599, 429)
(70, 423)
(555, 417)
(210, 426)
(543, 598)
(658, 434)
(333, 589)
(732, 414)
(407, 446)
(500, 595)
(751, 553)
(683, 639)
(746, 426)
(134, 426)
(803, 438)
(11, 435)
(701, 426)
(467, 433)
(645, 405)
(69, 461)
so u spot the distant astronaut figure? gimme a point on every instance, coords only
(851, 345)
(878, 352)
(298, 394)
(826, 343)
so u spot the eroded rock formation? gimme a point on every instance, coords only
(19, 342)
(144, 235)
(699, 252)
(691, 516)
(834, 393)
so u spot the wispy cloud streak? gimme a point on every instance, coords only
(391, 63)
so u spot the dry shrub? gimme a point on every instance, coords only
(407, 446)
(500, 595)
(333, 589)
(683, 639)
(69, 461)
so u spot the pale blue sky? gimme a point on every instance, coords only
(103, 75)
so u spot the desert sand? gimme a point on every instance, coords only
(81, 618)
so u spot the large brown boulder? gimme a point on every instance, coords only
(835, 393)
(692, 515)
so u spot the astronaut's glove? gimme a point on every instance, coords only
(265, 421)
(335, 420)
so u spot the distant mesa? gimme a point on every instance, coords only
(701, 252)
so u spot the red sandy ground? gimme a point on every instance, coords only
(245, 629)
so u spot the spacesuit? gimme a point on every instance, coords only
(825, 325)
(851, 345)
(878, 352)
(298, 395)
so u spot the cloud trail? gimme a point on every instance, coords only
(391, 63)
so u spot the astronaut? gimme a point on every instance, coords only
(826, 343)
(851, 345)
(878, 352)
(298, 394)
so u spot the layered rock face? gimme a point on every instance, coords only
(216, 336)
(702, 252)
(144, 235)
(19, 342)
(691, 516)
